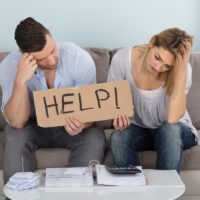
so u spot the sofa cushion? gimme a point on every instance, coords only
(113, 52)
(101, 57)
(59, 158)
(193, 98)
(52, 157)
(3, 55)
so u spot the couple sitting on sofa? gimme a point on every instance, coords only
(159, 76)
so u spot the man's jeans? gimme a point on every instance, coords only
(169, 140)
(21, 144)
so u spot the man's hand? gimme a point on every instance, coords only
(26, 68)
(121, 122)
(73, 126)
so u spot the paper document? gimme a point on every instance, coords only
(61, 177)
(104, 177)
(76, 171)
(82, 176)
(23, 181)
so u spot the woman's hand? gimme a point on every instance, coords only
(186, 52)
(73, 126)
(121, 122)
(180, 73)
(177, 101)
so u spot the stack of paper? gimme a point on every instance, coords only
(61, 177)
(23, 181)
(104, 177)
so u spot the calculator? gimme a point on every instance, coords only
(123, 170)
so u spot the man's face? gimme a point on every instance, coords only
(47, 58)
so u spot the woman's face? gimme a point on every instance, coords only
(159, 60)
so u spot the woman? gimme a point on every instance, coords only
(159, 76)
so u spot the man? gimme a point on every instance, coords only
(42, 64)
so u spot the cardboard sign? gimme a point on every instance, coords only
(86, 103)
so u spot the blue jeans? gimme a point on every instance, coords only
(169, 140)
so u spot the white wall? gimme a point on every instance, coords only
(101, 23)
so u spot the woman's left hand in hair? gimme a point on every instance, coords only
(186, 52)
(184, 59)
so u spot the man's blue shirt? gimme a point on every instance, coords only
(75, 67)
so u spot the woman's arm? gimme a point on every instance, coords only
(116, 73)
(177, 100)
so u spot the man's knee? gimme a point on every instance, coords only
(17, 137)
(94, 137)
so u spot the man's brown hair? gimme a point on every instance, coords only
(30, 35)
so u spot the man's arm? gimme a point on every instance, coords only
(17, 109)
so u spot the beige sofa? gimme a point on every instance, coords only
(190, 173)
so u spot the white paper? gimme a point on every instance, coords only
(104, 177)
(61, 177)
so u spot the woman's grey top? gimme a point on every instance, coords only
(149, 105)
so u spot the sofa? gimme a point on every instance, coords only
(190, 173)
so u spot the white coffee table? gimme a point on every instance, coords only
(165, 185)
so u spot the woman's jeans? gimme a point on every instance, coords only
(169, 140)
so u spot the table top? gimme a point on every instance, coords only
(162, 184)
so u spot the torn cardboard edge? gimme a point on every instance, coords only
(87, 103)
